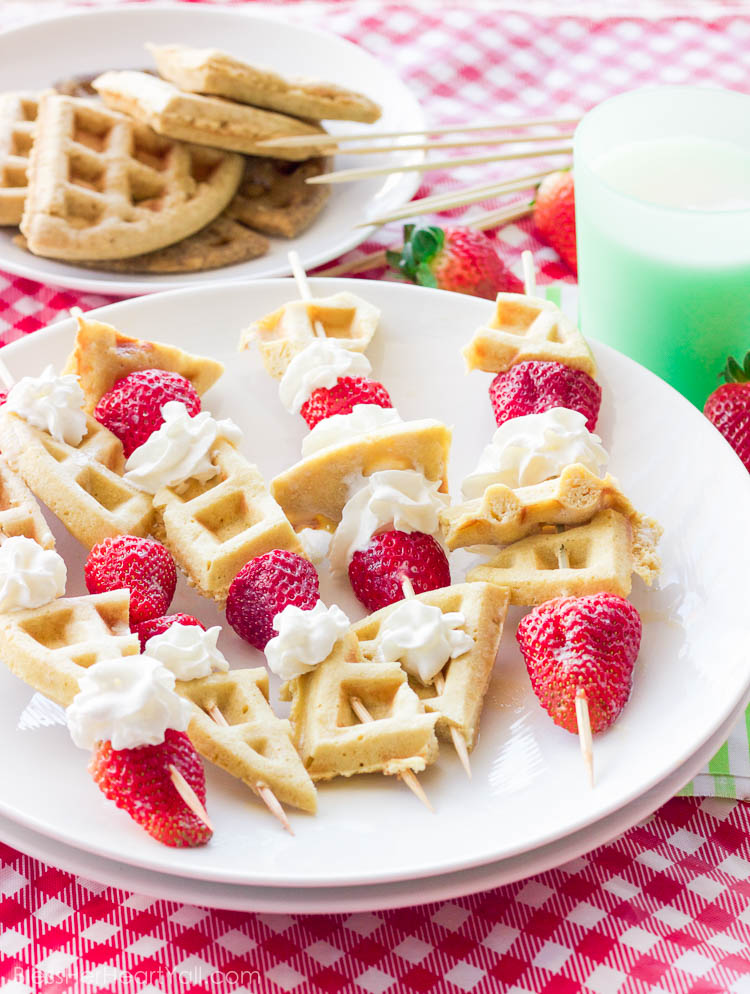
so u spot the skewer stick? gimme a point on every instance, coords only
(408, 776)
(463, 143)
(300, 276)
(529, 273)
(583, 720)
(189, 796)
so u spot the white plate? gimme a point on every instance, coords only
(528, 788)
(43, 53)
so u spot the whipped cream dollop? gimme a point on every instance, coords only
(319, 364)
(30, 576)
(305, 638)
(341, 428)
(51, 402)
(422, 638)
(187, 651)
(534, 448)
(315, 543)
(129, 701)
(180, 450)
(401, 499)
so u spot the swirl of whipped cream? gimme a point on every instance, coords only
(340, 428)
(305, 638)
(129, 701)
(319, 364)
(180, 450)
(421, 638)
(396, 498)
(315, 543)
(51, 402)
(30, 576)
(187, 651)
(534, 448)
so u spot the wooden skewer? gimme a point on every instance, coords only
(463, 143)
(529, 273)
(583, 721)
(189, 796)
(300, 276)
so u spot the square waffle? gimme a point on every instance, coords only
(330, 737)
(19, 512)
(484, 606)
(524, 328)
(255, 746)
(18, 112)
(212, 529)
(274, 196)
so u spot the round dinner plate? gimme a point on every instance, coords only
(528, 787)
(38, 55)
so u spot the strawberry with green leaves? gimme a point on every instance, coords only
(728, 407)
(555, 216)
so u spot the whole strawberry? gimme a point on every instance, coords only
(341, 398)
(533, 387)
(132, 408)
(555, 216)
(377, 572)
(146, 630)
(458, 259)
(138, 781)
(589, 642)
(728, 408)
(264, 587)
(141, 565)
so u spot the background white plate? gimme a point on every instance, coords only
(528, 788)
(41, 54)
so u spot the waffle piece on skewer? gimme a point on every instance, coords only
(255, 745)
(275, 198)
(212, 529)
(18, 112)
(459, 704)
(348, 319)
(49, 647)
(102, 186)
(330, 737)
(19, 512)
(524, 328)
(82, 484)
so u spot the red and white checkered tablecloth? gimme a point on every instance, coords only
(665, 908)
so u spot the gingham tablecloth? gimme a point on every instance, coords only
(665, 908)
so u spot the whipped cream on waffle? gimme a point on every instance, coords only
(315, 543)
(30, 576)
(341, 428)
(188, 651)
(319, 364)
(305, 638)
(51, 402)
(421, 638)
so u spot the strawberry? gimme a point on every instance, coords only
(341, 398)
(555, 216)
(728, 407)
(138, 781)
(377, 573)
(142, 565)
(264, 587)
(590, 642)
(458, 259)
(3, 397)
(146, 630)
(132, 408)
(533, 386)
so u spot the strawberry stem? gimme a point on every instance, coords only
(733, 372)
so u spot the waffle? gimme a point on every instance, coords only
(467, 677)
(48, 647)
(331, 739)
(600, 556)
(212, 529)
(275, 198)
(281, 335)
(102, 186)
(211, 71)
(18, 113)
(19, 511)
(527, 328)
(81, 484)
(255, 746)
(220, 124)
(102, 356)
(313, 492)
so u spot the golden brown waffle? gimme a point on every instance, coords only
(102, 186)
(102, 355)
(524, 328)
(348, 319)
(275, 198)
(212, 529)
(18, 112)
(209, 70)
(599, 555)
(49, 647)
(209, 121)
(312, 493)
(484, 606)
(255, 746)
(331, 739)
(81, 484)
(19, 512)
